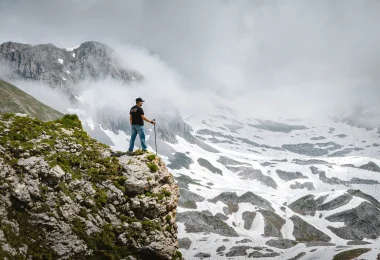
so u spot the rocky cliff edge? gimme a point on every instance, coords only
(63, 195)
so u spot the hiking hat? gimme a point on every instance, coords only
(139, 100)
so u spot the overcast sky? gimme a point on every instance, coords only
(324, 52)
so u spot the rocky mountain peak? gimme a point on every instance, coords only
(63, 68)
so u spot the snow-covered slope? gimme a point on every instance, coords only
(284, 189)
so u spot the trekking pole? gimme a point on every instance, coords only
(155, 135)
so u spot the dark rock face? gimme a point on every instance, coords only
(317, 138)
(184, 243)
(312, 149)
(256, 200)
(357, 243)
(304, 232)
(277, 127)
(332, 180)
(363, 181)
(273, 223)
(315, 170)
(238, 251)
(360, 222)
(221, 216)
(257, 254)
(249, 173)
(305, 205)
(319, 243)
(180, 160)
(288, 176)
(221, 249)
(243, 241)
(281, 243)
(299, 256)
(226, 161)
(308, 162)
(358, 193)
(305, 185)
(336, 203)
(196, 222)
(206, 164)
(248, 218)
(370, 166)
(184, 181)
(202, 255)
(59, 67)
(187, 199)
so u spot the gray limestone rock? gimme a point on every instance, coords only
(305, 205)
(360, 222)
(249, 173)
(248, 218)
(184, 243)
(273, 223)
(288, 176)
(304, 232)
(187, 199)
(281, 243)
(299, 256)
(206, 164)
(196, 222)
(305, 185)
(336, 203)
(238, 251)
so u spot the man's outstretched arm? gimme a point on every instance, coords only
(130, 119)
(147, 120)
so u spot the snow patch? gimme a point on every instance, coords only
(60, 61)
(73, 55)
(72, 48)
(68, 72)
(64, 78)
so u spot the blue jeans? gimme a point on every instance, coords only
(137, 129)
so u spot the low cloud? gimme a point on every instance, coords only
(261, 58)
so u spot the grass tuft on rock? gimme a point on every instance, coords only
(153, 167)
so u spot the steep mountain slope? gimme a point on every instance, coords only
(14, 100)
(63, 67)
(63, 196)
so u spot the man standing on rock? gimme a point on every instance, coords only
(137, 118)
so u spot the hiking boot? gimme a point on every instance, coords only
(145, 151)
(130, 153)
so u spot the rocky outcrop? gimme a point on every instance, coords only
(288, 176)
(305, 185)
(281, 243)
(249, 173)
(304, 232)
(206, 164)
(360, 222)
(196, 222)
(63, 196)
(305, 205)
(231, 198)
(273, 223)
(188, 199)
